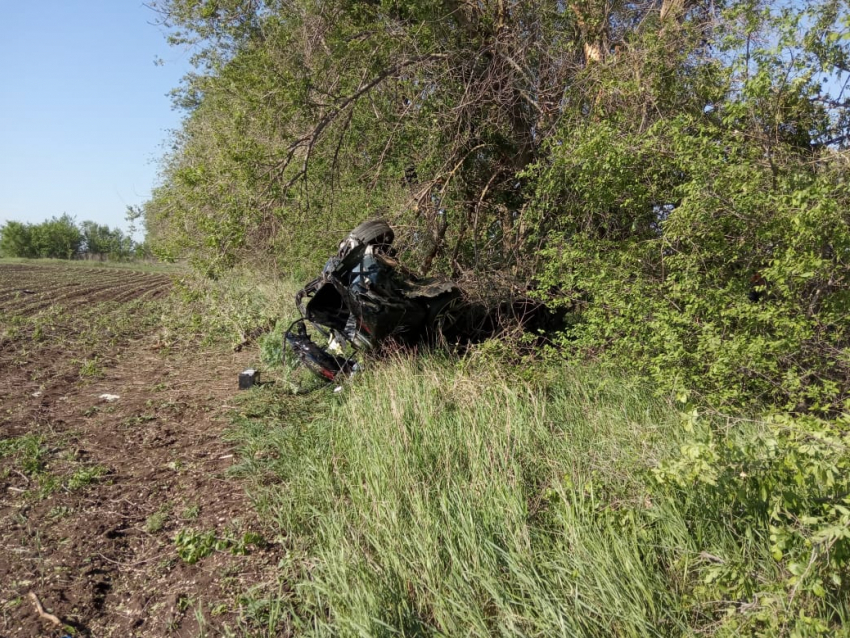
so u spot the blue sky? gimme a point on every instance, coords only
(84, 110)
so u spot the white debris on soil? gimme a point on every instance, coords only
(334, 345)
(109, 397)
(338, 388)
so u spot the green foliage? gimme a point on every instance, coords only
(422, 112)
(29, 450)
(99, 239)
(62, 238)
(156, 521)
(193, 545)
(445, 499)
(239, 307)
(677, 294)
(16, 240)
(710, 247)
(787, 481)
(447, 496)
(86, 476)
(56, 238)
(91, 368)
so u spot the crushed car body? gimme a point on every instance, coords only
(364, 297)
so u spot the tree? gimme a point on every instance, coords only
(100, 239)
(57, 238)
(62, 238)
(16, 240)
(314, 115)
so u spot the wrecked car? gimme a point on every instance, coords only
(364, 297)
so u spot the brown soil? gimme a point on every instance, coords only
(100, 553)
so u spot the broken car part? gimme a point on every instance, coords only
(364, 297)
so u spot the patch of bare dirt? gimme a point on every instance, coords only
(90, 512)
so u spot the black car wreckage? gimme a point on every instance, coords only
(365, 298)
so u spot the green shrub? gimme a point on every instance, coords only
(783, 486)
(676, 298)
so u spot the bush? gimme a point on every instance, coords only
(739, 290)
(782, 485)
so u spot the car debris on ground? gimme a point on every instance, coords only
(364, 298)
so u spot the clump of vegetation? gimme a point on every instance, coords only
(62, 238)
(193, 545)
(156, 521)
(238, 308)
(449, 496)
(673, 174)
(28, 450)
(85, 476)
(784, 484)
(91, 368)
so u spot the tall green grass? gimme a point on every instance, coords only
(444, 498)
(236, 309)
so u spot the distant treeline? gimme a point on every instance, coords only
(62, 238)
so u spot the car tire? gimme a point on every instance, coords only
(373, 232)
(444, 313)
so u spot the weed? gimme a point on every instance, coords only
(194, 545)
(191, 512)
(219, 610)
(156, 521)
(260, 609)
(241, 545)
(58, 513)
(137, 419)
(166, 564)
(235, 308)
(29, 451)
(201, 620)
(183, 603)
(85, 476)
(47, 484)
(91, 368)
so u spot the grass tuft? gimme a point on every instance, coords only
(441, 497)
(437, 498)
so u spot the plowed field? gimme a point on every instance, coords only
(113, 466)
(26, 289)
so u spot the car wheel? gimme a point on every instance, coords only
(444, 314)
(375, 231)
